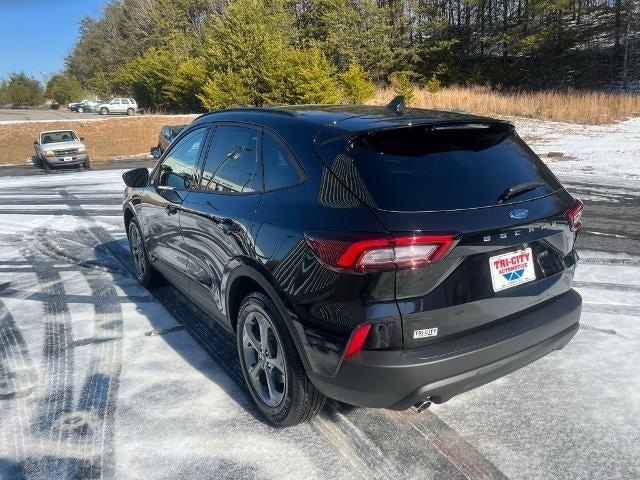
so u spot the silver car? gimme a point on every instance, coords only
(118, 105)
(61, 147)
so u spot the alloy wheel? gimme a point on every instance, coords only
(137, 251)
(264, 358)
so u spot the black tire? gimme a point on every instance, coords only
(131, 112)
(147, 276)
(104, 111)
(87, 165)
(45, 165)
(301, 401)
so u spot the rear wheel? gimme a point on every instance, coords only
(104, 111)
(271, 366)
(130, 111)
(145, 273)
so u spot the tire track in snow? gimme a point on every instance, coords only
(93, 420)
(83, 436)
(57, 380)
(18, 379)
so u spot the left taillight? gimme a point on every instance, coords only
(363, 252)
(575, 215)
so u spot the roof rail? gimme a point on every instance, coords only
(278, 111)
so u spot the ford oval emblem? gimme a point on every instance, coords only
(519, 213)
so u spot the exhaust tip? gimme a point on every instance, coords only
(422, 405)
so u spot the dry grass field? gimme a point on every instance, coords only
(575, 107)
(105, 138)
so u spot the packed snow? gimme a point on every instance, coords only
(605, 150)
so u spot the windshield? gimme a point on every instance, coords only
(55, 137)
(443, 167)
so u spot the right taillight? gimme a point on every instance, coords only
(575, 216)
(364, 252)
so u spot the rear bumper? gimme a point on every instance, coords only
(399, 379)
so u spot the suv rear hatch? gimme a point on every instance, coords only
(479, 182)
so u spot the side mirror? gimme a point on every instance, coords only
(136, 178)
(82, 139)
(155, 152)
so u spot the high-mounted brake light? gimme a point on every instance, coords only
(575, 215)
(367, 252)
(357, 339)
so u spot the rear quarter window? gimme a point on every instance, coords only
(427, 168)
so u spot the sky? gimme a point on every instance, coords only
(37, 35)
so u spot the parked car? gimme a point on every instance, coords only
(118, 105)
(86, 106)
(167, 134)
(385, 258)
(73, 105)
(61, 147)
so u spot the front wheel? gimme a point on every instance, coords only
(87, 164)
(272, 369)
(80, 110)
(145, 273)
(104, 111)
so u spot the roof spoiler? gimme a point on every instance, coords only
(397, 104)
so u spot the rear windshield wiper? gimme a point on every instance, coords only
(518, 189)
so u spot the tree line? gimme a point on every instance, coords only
(191, 55)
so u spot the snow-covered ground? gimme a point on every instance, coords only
(100, 379)
(604, 150)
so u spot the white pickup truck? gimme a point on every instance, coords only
(61, 147)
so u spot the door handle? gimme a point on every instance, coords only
(229, 227)
(171, 209)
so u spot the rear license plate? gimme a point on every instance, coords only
(67, 159)
(511, 269)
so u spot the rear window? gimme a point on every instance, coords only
(447, 167)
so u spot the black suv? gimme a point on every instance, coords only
(379, 256)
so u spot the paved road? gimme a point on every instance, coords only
(99, 377)
(20, 115)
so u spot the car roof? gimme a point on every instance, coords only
(57, 131)
(349, 117)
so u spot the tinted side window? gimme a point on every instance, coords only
(281, 169)
(177, 169)
(232, 161)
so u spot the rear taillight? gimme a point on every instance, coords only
(575, 216)
(357, 339)
(373, 252)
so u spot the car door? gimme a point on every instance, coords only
(114, 105)
(170, 184)
(216, 219)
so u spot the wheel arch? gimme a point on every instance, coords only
(129, 214)
(245, 279)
